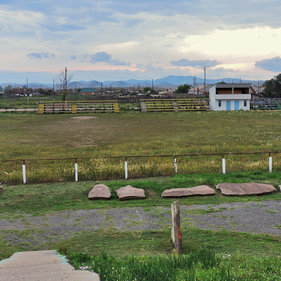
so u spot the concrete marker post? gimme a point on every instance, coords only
(176, 228)
(270, 163)
(126, 168)
(176, 165)
(223, 166)
(76, 170)
(23, 172)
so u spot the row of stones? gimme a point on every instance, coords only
(101, 191)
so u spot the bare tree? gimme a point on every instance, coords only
(62, 82)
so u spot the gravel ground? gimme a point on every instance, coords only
(262, 217)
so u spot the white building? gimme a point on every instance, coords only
(235, 96)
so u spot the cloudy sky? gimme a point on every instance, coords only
(124, 39)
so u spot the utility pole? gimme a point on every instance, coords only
(27, 86)
(194, 83)
(101, 90)
(204, 80)
(152, 84)
(65, 79)
(53, 88)
(64, 85)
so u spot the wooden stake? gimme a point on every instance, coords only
(176, 228)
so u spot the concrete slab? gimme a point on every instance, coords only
(43, 266)
(245, 188)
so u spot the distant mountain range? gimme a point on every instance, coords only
(165, 82)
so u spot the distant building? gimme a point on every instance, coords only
(229, 96)
(88, 92)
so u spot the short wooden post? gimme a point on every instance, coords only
(270, 163)
(223, 166)
(176, 165)
(176, 228)
(76, 170)
(126, 168)
(23, 172)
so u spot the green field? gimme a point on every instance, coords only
(40, 199)
(25, 136)
(208, 255)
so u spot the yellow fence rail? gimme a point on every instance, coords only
(75, 107)
(149, 105)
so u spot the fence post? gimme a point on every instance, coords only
(176, 166)
(76, 170)
(223, 166)
(270, 163)
(126, 168)
(176, 228)
(23, 172)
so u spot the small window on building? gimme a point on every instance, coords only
(219, 103)
(245, 103)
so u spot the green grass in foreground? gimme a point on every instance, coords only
(42, 198)
(241, 246)
(147, 255)
(199, 265)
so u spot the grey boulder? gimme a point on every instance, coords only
(245, 188)
(129, 192)
(189, 191)
(100, 191)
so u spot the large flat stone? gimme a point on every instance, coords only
(245, 188)
(129, 192)
(43, 266)
(100, 191)
(189, 191)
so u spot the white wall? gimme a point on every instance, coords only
(214, 100)
(232, 105)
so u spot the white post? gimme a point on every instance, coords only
(223, 166)
(76, 172)
(270, 164)
(176, 166)
(23, 173)
(126, 169)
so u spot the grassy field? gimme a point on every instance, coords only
(24, 136)
(243, 256)
(233, 255)
(39, 199)
(254, 256)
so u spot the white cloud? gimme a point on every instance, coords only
(149, 33)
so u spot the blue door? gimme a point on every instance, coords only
(236, 107)
(228, 105)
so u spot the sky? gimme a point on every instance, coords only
(132, 39)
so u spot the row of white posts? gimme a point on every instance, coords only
(126, 168)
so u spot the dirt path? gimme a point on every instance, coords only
(262, 217)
